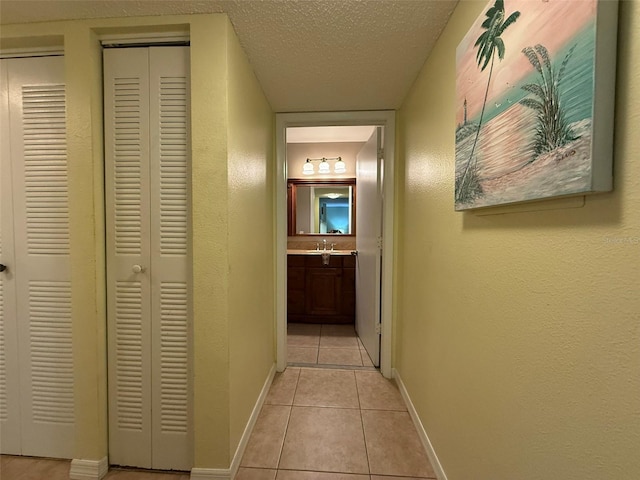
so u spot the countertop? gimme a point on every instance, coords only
(318, 252)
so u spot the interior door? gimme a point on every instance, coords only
(146, 95)
(126, 98)
(368, 244)
(10, 438)
(38, 276)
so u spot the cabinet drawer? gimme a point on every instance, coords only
(349, 262)
(295, 260)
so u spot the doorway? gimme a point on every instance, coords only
(386, 120)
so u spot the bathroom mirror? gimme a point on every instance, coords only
(321, 207)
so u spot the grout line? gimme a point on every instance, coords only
(286, 429)
(355, 380)
(330, 366)
(364, 439)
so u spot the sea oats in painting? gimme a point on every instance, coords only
(534, 102)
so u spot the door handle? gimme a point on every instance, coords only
(137, 269)
(3, 267)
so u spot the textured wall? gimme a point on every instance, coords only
(251, 233)
(519, 333)
(297, 154)
(210, 240)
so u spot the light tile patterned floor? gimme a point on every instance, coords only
(316, 424)
(310, 344)
(31, 468)
(334, 424)
(347, 423)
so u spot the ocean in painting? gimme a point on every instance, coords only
(506, 163)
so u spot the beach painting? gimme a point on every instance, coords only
(535, 90)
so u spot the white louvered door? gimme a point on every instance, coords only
(36, 288)
(10, 438)
(147, 152)
(169, 114)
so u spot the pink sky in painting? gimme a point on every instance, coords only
(549, 22)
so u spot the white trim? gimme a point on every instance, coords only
(385, 118)
(244, 440)
(57, 50)
(88, 469)
(210, 474)
(422, 433)
(229, 473)
(143, 38)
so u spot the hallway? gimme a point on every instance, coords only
(334, 424)
(316, 424)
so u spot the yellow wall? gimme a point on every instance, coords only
(297, 154)
(220, 138)
(519, 334)
(251, 168)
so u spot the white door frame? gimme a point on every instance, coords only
(384, 118)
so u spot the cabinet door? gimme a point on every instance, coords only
(348, 293)
(295, 290)
(323, 291)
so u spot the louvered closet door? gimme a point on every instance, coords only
(41, 270)
(10, 438)
(146, 122)
(170, 150)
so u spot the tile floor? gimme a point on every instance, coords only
(347, 423)
(309, 344)
(31, 468)
(334, 424)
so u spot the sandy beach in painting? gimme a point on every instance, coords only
(508, 173)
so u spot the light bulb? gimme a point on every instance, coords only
(307, 168)
(340, 166)
(324, 166)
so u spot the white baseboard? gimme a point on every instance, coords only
(88, 469)
(422, 433)
(230, 473)
(210, 474)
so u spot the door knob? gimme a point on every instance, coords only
(2, 267)
(137, 269)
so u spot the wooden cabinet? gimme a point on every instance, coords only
(318, 293)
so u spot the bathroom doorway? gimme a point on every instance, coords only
(329, 343)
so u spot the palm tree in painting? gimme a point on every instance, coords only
(489, 43)
(552, 128)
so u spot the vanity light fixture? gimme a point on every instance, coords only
(307, 168)
(324, 168)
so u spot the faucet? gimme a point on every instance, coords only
(324, 244)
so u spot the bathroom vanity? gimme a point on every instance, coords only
(321, 291)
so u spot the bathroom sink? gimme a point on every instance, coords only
(318, 252)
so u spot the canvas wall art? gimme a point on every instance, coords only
(535, 91)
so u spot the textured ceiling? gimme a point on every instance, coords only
(309, 55)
